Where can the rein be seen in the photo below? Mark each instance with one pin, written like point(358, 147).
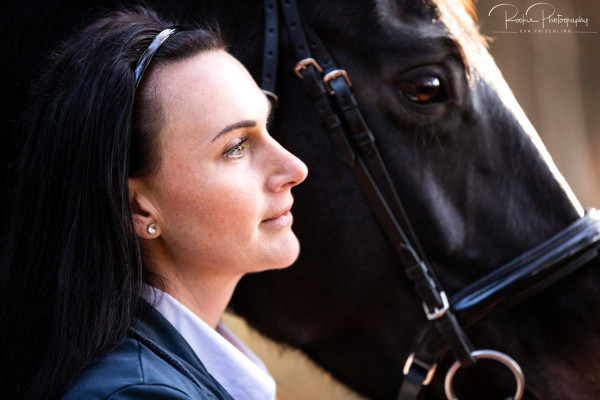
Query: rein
point(329, 88)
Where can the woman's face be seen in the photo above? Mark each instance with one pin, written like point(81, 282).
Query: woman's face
point(222, 193)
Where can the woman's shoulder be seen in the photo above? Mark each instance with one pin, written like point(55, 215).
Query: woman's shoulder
point(135, 371)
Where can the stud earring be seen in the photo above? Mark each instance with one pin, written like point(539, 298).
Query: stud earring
point(151, 228)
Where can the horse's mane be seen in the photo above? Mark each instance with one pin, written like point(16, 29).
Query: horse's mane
point(469, 6)
point(460, 17)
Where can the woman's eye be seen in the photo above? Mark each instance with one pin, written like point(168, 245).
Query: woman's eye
point(237, 151)
point(424, 90)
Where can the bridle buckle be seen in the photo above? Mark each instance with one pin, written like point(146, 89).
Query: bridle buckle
point(273, 98)
point(437, 312)
point(336, 73)
point(303, 64)
point(429, 368)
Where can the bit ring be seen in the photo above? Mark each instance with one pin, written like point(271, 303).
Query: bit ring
point(491, 355)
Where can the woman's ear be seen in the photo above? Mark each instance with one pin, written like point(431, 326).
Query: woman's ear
point(143, 211)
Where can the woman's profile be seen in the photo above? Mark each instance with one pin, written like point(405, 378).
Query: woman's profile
point(148, 186)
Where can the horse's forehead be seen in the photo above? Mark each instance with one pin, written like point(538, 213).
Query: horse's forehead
point(398, 14)
point(452, 18)
point(414, 23)
point(423, 8)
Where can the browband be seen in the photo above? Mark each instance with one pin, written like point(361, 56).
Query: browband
point(146, 57)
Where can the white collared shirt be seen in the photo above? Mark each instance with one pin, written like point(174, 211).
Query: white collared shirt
point(225, 357)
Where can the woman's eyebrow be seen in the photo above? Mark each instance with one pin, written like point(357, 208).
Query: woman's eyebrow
point(237, 125)
point(248, 123)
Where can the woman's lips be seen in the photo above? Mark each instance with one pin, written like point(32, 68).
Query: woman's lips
point(281, 220)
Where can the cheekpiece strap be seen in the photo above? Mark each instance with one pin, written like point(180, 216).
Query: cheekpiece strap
point(146, 57)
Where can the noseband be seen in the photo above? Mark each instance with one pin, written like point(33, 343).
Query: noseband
point(329, 88)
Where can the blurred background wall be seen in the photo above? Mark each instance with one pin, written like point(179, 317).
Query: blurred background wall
point(554, 77)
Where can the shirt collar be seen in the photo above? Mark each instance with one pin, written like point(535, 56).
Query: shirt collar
point(225, 357)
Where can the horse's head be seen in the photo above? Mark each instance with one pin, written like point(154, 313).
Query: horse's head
point(475, 180)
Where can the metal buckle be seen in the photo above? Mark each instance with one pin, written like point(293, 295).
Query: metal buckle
point(272, 96)
point(430, 368)
point(336, 73)
point(302, 64)
point(437, 312)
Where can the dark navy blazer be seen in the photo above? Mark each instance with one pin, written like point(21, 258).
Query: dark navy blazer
point(153, 362)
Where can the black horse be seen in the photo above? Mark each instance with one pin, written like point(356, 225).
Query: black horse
point(471, 172)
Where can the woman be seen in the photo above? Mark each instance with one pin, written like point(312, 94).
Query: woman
point(148, 187)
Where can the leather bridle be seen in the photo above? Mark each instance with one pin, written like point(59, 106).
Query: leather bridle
point(329, 88)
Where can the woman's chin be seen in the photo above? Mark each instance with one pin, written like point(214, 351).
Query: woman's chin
point(284, 255)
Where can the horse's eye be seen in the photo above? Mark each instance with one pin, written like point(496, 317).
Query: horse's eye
point(424, 90)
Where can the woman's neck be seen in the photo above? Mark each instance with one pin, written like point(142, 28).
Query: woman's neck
point(204, 291)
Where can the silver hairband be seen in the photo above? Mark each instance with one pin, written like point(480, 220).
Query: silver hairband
point(146, 57)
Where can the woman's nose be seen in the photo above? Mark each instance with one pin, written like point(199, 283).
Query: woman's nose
point(288, 170)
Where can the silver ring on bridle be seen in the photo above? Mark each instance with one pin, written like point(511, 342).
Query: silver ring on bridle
point(490, 355)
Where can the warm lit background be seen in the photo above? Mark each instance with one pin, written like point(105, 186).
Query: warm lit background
point(555, 79)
